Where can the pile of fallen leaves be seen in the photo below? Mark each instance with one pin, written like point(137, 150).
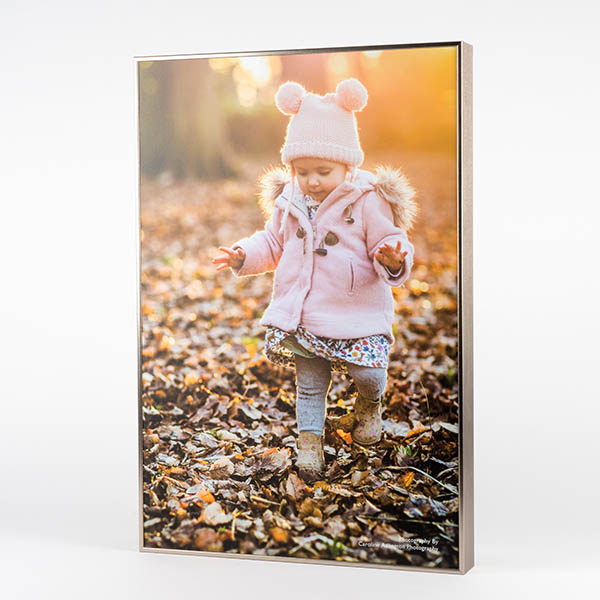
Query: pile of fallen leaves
point(219, 428)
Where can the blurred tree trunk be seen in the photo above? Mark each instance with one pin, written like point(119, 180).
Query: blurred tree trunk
point(200, 144)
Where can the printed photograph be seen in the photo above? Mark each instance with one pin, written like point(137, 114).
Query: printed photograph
point(299, 332)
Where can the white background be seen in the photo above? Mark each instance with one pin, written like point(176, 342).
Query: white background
point(68, 447)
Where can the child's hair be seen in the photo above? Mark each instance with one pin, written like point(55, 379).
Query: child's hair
point(321, 126)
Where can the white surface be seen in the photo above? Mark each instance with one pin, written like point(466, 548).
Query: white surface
point(68, 347)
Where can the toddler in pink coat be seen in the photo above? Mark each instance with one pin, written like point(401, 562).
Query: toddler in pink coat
point(336, 239)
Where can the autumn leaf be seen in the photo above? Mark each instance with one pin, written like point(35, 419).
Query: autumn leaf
point(279, 535)
point(190, 379)
point(346, 436)
point(221, 468)
point(449, 427)
point(417, 431)
point(213, 514)
point(274, 460)
point(166, 343)
point(295, 488)
point(407, 479)
point(198, 493)
point(208, 540)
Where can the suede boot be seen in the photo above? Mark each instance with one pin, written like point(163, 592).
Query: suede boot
point(368, 429)
point(311, 460)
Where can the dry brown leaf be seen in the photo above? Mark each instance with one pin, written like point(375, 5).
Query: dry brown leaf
point(335, 527)
point(295, 488)
point(417, 430)
point(221, 469)
point(345, 435)
point(274, 460)
point(306, 508)
point(208, 540)
point(407, 479)
point(279, 535)
point(314, 522)
point(190, 379)
point(358, 477)
point(213, 514)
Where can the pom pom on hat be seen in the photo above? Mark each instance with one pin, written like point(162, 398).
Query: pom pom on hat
point(351, 94)
point(289, 97)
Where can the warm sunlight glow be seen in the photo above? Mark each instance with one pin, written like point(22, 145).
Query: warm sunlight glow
point(246, 94)
point(258, 68)
point(221, 65)
point(338, 65)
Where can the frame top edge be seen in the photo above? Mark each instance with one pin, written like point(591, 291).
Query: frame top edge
point(141, 58)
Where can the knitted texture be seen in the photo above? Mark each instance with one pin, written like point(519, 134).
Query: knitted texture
point(313, 378)
point(322, 126)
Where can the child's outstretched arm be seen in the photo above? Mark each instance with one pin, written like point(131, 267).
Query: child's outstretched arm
point(387, 245)
point(261, 251)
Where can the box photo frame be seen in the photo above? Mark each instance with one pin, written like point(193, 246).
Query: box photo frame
point(232, 148)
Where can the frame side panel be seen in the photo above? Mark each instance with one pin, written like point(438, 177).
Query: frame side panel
point(138, 241)
point(466, 547)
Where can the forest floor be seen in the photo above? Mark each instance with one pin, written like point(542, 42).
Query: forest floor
point(219, 430)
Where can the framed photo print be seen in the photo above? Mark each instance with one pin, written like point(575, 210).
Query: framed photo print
point(305, 305)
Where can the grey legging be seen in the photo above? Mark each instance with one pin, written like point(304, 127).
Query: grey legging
point(313, 379)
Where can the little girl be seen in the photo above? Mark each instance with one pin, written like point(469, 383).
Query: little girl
point(336, 240)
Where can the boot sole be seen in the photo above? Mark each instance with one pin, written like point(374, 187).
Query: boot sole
point(367, 443)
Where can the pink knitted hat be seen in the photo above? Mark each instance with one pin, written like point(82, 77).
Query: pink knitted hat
point(322, 126)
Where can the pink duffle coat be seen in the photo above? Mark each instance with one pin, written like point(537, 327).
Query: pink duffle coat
point(344, 292)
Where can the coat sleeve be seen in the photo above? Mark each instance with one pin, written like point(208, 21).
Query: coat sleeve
point(263, 248)
point(379, 229)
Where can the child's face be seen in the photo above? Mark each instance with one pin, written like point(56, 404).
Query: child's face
point(317, 177)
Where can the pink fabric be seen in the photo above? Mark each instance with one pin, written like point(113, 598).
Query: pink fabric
point(322, 126)
point(345, 294)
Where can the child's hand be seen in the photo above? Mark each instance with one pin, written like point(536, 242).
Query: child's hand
point(390, 257)
point(232, 258)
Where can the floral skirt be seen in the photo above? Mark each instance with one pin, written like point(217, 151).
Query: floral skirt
point(370, 351)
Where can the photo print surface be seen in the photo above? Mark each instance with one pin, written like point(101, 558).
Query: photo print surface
point(299, 292)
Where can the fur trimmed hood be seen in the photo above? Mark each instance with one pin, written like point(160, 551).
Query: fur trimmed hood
point(389, 183)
